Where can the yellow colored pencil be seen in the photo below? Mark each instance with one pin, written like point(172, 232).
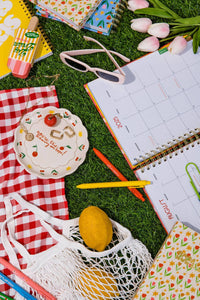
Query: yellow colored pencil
point(96, 185)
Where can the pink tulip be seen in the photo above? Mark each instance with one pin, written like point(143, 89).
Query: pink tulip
point(177, 45)
point(137, 4)
point(160, 30)
point(141, 24)
point(150, 44)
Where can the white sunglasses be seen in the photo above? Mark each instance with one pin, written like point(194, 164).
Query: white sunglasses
point(66, 57)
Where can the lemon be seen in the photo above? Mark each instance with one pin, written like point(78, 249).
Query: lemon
point(97, 284)
point(95, 228)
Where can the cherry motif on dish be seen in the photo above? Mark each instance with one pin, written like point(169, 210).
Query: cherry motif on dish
point(50, 120)
point(35, 154)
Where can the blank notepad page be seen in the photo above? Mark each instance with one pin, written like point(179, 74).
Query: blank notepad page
point(171, 193)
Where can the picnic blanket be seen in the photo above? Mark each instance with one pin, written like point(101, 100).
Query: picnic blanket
point(48, 194)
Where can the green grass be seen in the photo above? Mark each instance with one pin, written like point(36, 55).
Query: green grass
point(119, 203)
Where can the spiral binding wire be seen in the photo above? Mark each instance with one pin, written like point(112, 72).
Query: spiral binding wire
point(118, 14)
point(27, 9)
point(29, 13)
point(172, 148)
point(45, 39)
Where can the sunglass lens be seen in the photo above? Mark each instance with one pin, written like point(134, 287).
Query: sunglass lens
point(107, 76)
point(75, 65)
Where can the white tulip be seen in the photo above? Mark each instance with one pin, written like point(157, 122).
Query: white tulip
point(137, 4)
point(150, 44)
point(141, 24)
point(160, 30)
point(177, 45)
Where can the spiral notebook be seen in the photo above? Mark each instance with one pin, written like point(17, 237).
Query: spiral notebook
point(153, 116)
point(104, 19)
point(13, 15)
point(74, 13)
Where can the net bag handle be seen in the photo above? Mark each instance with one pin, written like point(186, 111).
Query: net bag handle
point(46, 218)
point(42, 216)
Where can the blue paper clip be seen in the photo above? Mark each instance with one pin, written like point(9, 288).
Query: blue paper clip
point(191, 180)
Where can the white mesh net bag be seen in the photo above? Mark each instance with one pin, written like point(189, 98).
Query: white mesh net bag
point(69, 270)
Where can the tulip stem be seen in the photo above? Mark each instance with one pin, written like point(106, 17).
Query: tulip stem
point(176, 25)
point(181, 29)
point(185, 34)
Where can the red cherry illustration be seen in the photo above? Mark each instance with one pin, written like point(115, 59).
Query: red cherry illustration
point(50, 120)
point(35, 153)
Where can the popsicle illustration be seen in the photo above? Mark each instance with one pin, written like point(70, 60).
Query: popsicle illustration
point(23, 50)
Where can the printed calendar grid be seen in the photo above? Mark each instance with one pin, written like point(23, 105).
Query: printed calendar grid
point(157, 104)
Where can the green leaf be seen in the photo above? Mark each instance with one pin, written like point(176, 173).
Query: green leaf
point(196, 40)
point(159, 4)
point(189, 21)
point(101, 23)
point(154, 3)
point(157, 12)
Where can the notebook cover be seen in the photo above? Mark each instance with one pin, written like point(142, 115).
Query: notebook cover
point(44, 13)
point(16, 14)
point(75, 13)
point(104, 17)
point(175, 272)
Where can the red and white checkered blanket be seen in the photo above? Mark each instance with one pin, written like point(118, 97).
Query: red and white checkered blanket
point(49, 194)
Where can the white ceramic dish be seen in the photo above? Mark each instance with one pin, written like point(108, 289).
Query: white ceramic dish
point(55, 151)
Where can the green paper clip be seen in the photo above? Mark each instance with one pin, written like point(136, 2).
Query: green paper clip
point(191, 180)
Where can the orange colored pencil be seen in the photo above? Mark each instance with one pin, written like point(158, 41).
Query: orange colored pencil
point(121, 177)
point(27, 279)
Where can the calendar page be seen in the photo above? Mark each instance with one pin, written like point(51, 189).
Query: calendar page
point(156, 106)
